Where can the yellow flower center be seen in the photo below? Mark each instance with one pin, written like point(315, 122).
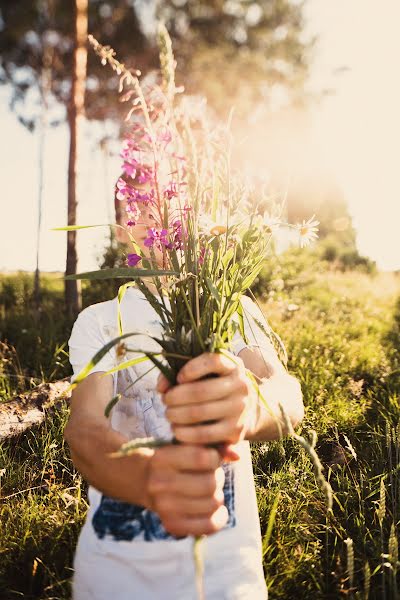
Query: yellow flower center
point(218, 230)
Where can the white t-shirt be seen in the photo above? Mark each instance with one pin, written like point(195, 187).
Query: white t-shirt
point(124, 552)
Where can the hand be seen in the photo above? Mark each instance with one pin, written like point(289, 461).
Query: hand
point(208, 411)
point(185, 487)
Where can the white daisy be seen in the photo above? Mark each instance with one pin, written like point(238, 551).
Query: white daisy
point(307, 231)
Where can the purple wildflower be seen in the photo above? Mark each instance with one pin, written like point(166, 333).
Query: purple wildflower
point(157, 238)
point(133, 259)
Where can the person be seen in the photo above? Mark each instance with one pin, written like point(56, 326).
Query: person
point(137, 540)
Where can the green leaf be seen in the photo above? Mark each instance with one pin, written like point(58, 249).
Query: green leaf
point(155, 301)
point(169, 374)
point(213, 290)
point(239, 312)
point(111, 405)
point(121, 293)
point(76, 227)
point(227, 257)
point(99, 355)
point(129, 447)
point(119, 273)
point(271, 521)
point(130, 363)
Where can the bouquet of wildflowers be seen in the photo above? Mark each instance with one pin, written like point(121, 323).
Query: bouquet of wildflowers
point(210, 235)
point(210, 232)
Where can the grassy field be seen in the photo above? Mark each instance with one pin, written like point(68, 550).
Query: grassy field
point(342, 332)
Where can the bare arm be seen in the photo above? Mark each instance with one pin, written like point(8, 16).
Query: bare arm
point(183, 484)
point(91, 439)
point(227, 409)
point(278, 389)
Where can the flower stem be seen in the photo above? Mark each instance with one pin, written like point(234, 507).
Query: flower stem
point(198, 558)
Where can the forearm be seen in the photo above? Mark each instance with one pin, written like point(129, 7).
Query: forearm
point(280, 392)
point(122, 478)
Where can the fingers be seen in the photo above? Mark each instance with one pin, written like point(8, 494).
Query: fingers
point(190, 506)
point(228, 452)
point(185, 458)
point(226, 430)
point(195, 526)
point(208, 364)
point(185, 487)
point(206, 390)
point(190, 414)
point(162, 384)
point(192, 485)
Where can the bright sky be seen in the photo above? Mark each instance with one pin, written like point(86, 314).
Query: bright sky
point(359, 127)
point(358, 130)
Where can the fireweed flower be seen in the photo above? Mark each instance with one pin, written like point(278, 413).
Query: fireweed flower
point(307, 231)
point(157, 238)
point(204, 300)
point(133, 259)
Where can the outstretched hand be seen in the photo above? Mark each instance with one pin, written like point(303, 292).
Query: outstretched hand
point(204, 409)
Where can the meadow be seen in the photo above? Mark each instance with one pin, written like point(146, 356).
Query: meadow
point(342, 333)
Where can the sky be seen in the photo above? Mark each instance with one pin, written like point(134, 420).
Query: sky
point(357, 130)
point(359, 127)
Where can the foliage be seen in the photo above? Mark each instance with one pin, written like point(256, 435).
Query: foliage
point(264, 38)
point(342, 335)
point(33, 347)
point(209, 237)
point(41, 510)
point(245, 51)
point(31, 27)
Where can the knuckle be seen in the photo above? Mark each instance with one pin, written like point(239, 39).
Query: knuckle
point(219, 480)
point(216, 501)
point(172, 527)
point(215, 458)
point(159, 458)
point(241, 404)
point(211, 526)
point(242, 384)
point(210, 483)
point(194, 412)
point(236, 432)
point(202, 458)
point(219, 497)
point(164, 504)
point(154, 485)
point(167, 398)
point(239, 363)
point(202, 434)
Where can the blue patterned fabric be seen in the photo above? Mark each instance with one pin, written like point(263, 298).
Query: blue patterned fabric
point(122, 521)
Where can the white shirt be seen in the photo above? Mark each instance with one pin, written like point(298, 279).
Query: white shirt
point(124, 552)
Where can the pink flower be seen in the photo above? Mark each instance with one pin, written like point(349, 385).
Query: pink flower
point(177, 234)
point(124, 189)
point(146, 174)
point(203, 254)
point(133, 212)
point(133, 259)
point(157, 238)
point(171, 191)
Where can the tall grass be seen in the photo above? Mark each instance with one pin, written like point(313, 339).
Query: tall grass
point(342, 331)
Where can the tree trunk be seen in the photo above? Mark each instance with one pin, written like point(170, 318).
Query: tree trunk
point(75, 115)
point(45, 20)
point(30, 409)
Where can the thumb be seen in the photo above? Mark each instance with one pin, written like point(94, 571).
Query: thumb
point(228, 452)
point(163, 384)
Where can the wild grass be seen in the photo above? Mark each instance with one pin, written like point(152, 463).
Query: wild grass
point(342, 331)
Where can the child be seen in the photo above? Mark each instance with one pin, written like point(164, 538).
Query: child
point(144, 509)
